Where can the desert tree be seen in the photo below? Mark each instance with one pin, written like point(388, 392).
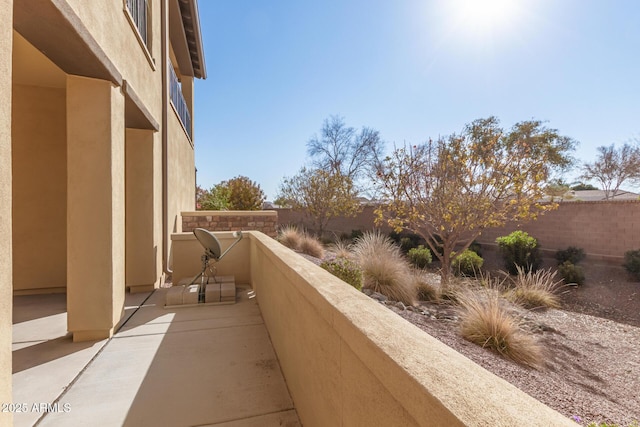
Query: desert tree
point(320, 195)
point(343, 150)
point(581, 186)
point(558, 190)
point(244, 194)
point(613, 167)
point(214, 199)
point(239, 193)
point(448, 191)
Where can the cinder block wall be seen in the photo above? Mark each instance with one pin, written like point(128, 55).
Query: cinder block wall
point(605, 230)
point(264, 221)
point(365, 220)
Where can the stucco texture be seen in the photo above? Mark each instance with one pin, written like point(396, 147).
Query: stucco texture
point(39, 151)
point(95, 207)
point(6, 277)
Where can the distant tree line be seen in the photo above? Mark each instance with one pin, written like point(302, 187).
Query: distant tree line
point(451, 189)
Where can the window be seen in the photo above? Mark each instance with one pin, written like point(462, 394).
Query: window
point(140, 13)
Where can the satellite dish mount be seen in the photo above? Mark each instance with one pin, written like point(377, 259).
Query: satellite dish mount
point(212, 252)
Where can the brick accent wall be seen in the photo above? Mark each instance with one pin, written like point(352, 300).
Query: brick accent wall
point(605, 230)
point(264, 221)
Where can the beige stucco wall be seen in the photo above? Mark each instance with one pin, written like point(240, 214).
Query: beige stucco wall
point(6, 277)
point(186, 257)
point(181, 180)
point(109, 26)
point(95, 207)
point(143, 239)
point(39, 152)
point(348, 360)
point(370, 366)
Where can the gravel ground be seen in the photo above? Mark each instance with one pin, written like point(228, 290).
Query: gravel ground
point(592, 369)
point(592, 346)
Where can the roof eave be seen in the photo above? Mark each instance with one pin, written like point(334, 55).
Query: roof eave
point(191, 22)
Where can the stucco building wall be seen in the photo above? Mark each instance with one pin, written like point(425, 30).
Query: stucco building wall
point(181, 174)
point(117, 38)
point(39, 151)
point(6, 276)
point(102, 165)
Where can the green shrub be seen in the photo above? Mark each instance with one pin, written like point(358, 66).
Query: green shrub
point(518, 249)
point(406, 241)
point(420, 256)
point(571, 273)
point(467, 263)
point(476, 247)
point(572, 254)
point(632, 263)
point(355, 234)
point(346, 270)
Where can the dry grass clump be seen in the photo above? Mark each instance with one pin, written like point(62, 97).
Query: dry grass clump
point(385, 270)
point(534, 289)
point(341, 249)
point(426, 289)
point(290, 236)
point(311, 246)
point(485, 320)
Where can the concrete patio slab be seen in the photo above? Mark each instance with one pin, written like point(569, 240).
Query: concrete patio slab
point(210, 365)
point(45, 358)
point(284, 419)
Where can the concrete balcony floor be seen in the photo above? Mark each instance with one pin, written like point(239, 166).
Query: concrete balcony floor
point(204, 366)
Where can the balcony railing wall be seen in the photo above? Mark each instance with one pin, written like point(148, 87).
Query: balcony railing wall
point(177, 99)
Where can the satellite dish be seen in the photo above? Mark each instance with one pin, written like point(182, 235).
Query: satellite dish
point(209, 242)
point(212, 251)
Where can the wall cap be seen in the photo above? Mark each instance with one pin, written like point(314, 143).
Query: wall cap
point(230, 213)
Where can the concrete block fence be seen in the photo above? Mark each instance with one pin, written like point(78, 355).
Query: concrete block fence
point(605, 230)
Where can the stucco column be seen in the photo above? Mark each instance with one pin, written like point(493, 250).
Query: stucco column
point(95, 207)
point(142, 203)
point(6, 275)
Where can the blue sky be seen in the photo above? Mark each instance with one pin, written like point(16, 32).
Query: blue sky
point(410, 69)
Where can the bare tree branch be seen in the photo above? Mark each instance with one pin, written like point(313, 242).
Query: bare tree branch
point(613, 167)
